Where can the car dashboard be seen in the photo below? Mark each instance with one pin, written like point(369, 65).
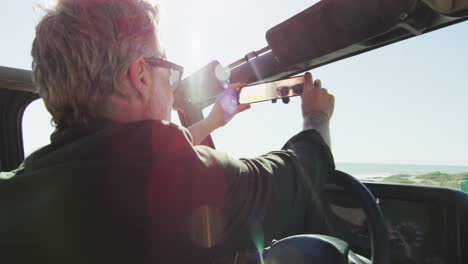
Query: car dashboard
point(424, 224)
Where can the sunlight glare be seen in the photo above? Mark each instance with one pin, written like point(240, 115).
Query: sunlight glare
point(222, 73)
point(195, 45)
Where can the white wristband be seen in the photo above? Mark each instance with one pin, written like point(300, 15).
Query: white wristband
point(320, 122)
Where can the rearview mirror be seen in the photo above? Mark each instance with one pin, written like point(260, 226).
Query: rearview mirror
point(272, 90)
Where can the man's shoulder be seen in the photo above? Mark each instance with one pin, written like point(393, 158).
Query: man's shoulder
point(139, 141)
point(146, 140)
point(152, 126)
point(158, 133)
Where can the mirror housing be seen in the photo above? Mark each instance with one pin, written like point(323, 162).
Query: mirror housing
point(201, 88)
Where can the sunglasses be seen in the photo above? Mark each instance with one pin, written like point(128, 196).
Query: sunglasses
point(284, 91)
point(176, 71)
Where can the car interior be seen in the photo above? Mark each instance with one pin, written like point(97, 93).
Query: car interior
point(367, 222)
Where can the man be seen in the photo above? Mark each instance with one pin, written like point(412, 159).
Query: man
point(118, 184)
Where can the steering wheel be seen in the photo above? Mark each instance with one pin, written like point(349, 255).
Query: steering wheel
point(331, 250)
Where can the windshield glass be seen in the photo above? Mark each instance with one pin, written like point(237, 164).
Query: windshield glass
point(399, 109)
point(399, 113)
point(193, 35)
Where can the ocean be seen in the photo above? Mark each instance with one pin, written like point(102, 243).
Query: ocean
point(374, 171)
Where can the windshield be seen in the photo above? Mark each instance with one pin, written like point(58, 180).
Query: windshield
point(399, 109)
point(399, 116)
point(199, 32)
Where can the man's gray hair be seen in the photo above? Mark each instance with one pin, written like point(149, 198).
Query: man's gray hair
point(82, 52)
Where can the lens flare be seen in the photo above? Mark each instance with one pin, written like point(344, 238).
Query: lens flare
point(206, 227)
point(222, 74)
point(256, 231)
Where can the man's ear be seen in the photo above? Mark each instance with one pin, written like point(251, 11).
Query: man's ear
point(138, 76)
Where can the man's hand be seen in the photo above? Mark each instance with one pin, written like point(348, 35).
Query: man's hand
point(226, 106)
point(316, 98)
point(317, 108)
point(224, 109)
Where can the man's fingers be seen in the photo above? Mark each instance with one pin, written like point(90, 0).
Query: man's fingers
point(237, 86)
point(308, 80)
point(318, 84)
point(331, 98)
point(308, 77)
point(243, 107)
point(308, 83)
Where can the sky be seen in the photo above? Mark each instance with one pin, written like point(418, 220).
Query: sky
point(405, 103)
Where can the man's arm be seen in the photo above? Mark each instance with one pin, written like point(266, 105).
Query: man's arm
point(320, 122)
point(225, 108)
point(317, 108)
point(269, 196)
point(201, 130)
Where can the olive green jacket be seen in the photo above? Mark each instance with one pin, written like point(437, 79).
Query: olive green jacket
point(141, 193)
